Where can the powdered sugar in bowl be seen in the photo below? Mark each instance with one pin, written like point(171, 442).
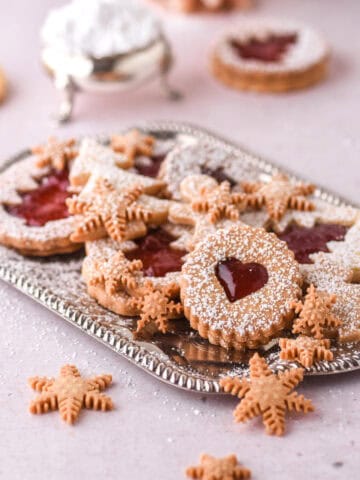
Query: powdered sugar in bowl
point(103, 46)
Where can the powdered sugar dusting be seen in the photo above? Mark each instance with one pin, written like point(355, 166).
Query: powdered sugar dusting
point(262, 311)
point(187, 160)
point(22, 177)
point(338, 272)
point(309, 49)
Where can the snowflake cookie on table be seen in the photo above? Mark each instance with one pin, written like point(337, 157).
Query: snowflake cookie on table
point(113, 271)
point(267, 394)
point(34, 218)
point(69, 393)
point(102, 209)
point(212, 468)
point(337, 273)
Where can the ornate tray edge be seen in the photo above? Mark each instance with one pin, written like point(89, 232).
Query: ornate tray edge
point(162, 369)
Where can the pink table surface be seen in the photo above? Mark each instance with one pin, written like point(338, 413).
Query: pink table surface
point(156, 431)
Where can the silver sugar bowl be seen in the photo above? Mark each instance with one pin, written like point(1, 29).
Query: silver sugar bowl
point(80, 73)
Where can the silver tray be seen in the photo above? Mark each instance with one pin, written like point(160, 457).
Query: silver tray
point(180, 358)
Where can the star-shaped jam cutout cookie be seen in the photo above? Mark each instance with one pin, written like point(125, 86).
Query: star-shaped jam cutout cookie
point(219, 202)
point(115, 273)
point(305, 350)
point(155, 307)
point(267, 394)
point(105, 208)
point(212, 468)
point(69, 393)
point(133, 144)
point(316, 317)
point(55, 153)
point(279, 195)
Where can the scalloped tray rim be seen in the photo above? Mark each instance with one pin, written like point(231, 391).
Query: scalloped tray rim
point(157, 365)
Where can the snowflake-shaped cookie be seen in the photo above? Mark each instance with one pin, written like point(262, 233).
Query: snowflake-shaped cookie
point(132, 144)
point(305, 350)
point(267, 394)
point(338, 272)
point(105, 208)
point(155, 307)
point(212, 468)
point(278, 195)
point(115, 273)
point(69, 393)
point(316, 315)
point(197, 212)
point(219, 202)
point(55, 153)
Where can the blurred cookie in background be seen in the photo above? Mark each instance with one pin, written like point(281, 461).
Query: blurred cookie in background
point(191, 6)
point(270, 55)
point(3, 85)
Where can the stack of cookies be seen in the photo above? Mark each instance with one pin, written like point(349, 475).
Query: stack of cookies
point(183, 229)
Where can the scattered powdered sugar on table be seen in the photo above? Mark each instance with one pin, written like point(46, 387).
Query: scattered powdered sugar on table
point(100, 28)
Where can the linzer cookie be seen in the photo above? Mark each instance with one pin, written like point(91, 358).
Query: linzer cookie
point(34, 217)
point(115, 270)
point(122, 214)
point(3, 86)
point(237, 287)
point(95, 158)
point(269, 55)
point(93, 155)
point(206, 159)
point(337, 272)
point(191, 6)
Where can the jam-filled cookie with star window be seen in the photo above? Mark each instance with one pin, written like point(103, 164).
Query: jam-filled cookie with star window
point(269, 55)
point(34, 217)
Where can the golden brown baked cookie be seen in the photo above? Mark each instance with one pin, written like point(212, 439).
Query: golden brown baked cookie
point(3, 86)
point(192, 6)
point(237, 287)
point(34, 217)
point(337, 272)
point(269, 55)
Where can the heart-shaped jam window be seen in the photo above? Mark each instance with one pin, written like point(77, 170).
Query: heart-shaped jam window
point(240, 279)
point(269, 49)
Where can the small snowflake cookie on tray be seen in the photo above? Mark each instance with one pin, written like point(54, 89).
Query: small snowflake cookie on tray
point(269, 55)
point(34, 217)
point(114, 270)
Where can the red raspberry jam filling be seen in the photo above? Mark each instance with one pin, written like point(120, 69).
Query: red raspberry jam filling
point(149, 167)
point(240, 279)
point(270, 49)
point(218, 174)
point(45, 203)
point(304, 241)
point(155, 252)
